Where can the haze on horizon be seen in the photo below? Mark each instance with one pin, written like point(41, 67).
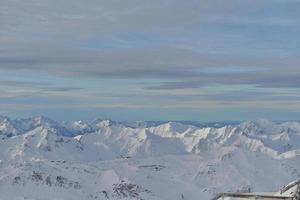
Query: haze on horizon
point(150, 60)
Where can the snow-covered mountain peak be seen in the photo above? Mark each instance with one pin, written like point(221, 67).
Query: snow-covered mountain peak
point(258, 126)
point(50, 124)
point(80, 127)
point(113, 160)
point(176, 127)
point(171, 129)
point(102, 123)
point(4, 118)
point(8, 128)
point(43, 121)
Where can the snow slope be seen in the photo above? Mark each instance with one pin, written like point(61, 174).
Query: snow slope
point(44, 159)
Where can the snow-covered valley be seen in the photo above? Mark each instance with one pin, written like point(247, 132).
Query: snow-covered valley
point(44, 159)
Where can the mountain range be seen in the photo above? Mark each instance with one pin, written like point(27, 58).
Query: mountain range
point(42, 159)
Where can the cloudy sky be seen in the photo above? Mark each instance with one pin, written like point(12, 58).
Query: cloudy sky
point(206, 60)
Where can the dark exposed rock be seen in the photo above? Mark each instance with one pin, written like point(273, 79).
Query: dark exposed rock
point(105, 194)
point(153, 167)
point(130, 190)
point(48, 148)
point(60, 181)
point(37, 176)
point(17, 180)
point(61, 140)
point(48, 181)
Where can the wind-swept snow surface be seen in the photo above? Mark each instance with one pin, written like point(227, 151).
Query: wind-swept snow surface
point(43, 159)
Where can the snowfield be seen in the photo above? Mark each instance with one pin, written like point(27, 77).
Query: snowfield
point(41, 159)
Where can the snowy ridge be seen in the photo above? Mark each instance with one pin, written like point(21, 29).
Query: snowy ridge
point(104, 159)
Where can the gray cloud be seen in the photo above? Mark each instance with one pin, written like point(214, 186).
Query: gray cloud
point(259, 79)
point(173, 40)
point(13, 83)
point(61, 89)
point(168, 63)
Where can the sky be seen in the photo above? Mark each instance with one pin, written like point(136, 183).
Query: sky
point(203, 60)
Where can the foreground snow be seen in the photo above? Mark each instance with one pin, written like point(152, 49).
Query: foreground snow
point(42, 159)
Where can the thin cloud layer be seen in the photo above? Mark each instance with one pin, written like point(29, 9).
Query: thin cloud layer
point(160, 50)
